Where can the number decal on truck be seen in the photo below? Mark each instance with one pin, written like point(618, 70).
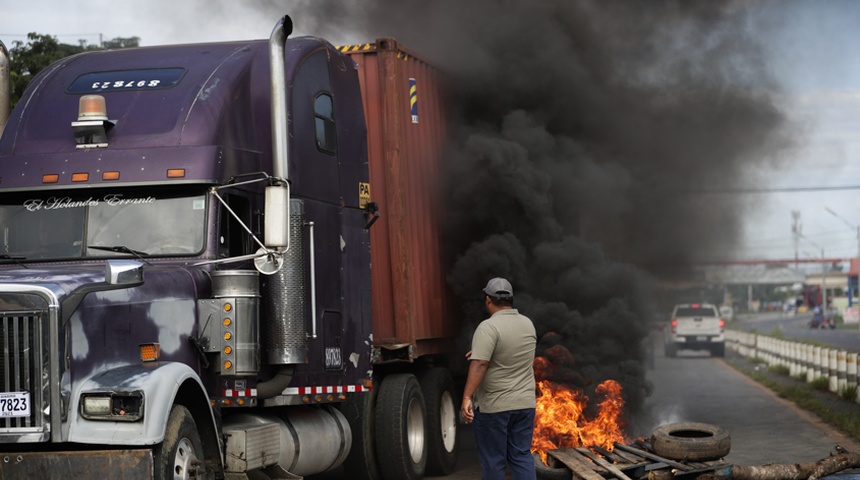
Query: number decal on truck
point(333, 360)
point(15, 404)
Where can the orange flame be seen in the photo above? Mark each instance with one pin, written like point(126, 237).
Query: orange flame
point(560, 422)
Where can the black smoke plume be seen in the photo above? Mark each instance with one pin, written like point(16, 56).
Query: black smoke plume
point(586, 133)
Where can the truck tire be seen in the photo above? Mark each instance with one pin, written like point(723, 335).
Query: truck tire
point(443, 447)
point(690, 441)
point(180, 454)
point(400, 433)
point(718, 350)
point(359, 412)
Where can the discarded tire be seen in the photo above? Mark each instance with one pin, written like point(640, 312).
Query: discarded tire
point(689, 441)
point(550, 473)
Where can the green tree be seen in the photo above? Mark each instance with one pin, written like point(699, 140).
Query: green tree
point(26, 60)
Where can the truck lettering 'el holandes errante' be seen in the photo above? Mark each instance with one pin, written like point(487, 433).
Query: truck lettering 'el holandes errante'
point(186, 290)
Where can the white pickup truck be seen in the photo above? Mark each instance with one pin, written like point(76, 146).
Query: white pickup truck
point(695, 326)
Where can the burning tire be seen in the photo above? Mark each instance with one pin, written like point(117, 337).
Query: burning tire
point(400, 432)
point(361, 461)
point(689, 441)
point(440, 421)
point(550, 473)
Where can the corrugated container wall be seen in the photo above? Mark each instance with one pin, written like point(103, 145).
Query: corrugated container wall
point(403, 99)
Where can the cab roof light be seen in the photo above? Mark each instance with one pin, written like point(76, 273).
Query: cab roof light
point(50, 178)
point(92, 125)
point(110, 176)
point(80, 177)
point(92, 107)
point(176, 173)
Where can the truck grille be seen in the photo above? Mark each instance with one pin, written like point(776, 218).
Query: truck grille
point(29, 362)
point(19, 363)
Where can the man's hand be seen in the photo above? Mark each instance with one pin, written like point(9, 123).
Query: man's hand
point(466, 410)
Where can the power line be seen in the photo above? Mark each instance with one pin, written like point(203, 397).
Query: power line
point(780, 189)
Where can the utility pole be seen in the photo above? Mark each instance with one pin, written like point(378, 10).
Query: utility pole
point(851, 295)
point(796, 228)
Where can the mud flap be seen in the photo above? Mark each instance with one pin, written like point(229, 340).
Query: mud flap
point(125, 464)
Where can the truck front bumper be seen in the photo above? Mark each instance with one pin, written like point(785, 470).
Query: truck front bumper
point(125, 464)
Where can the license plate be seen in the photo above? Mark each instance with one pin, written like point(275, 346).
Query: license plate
point(15, 404)
point(701, 339)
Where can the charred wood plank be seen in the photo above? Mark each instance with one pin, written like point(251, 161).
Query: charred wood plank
point(651, 456)
point(630, 457)
point(603, 463)
point(610, 455)
point(580, 467)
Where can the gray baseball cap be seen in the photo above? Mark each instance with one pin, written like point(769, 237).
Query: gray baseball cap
point(499, 287)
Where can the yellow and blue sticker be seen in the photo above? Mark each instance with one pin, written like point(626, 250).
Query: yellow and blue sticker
point(413, 99)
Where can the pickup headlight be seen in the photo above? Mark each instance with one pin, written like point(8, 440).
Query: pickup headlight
point(112, 406)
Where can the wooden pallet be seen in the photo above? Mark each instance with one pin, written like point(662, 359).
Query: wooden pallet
point(627, 462)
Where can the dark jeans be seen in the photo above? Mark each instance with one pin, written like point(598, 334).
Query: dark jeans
point(505, 437)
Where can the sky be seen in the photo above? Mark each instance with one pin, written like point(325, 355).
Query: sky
point(809, 46)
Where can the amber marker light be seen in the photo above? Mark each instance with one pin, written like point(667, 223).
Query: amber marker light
point(50, 178)
point(228, 335)
point(228, 365)
point(228, 350)
point(228, 307)
point(110, 176)
point(227, 322)
point(176, 173)
point(150, 352)
point(92, 107)
point(80, 177)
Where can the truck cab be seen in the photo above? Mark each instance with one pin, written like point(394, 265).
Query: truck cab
point(184, 248)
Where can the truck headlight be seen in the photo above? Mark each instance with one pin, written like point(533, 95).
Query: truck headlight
point(112, 406)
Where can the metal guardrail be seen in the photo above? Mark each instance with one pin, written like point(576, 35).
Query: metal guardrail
point(803, 360)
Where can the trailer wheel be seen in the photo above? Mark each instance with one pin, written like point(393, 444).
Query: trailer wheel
point(400, 445)
point(361, 461)
point(689, 441)
point(443, 447)
point(180, 454)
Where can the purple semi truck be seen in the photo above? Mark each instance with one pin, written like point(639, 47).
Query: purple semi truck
point(185, 281)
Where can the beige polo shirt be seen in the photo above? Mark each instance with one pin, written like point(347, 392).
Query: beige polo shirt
point(507, 340)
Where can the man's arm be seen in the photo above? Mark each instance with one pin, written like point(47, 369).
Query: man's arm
point(477, 369)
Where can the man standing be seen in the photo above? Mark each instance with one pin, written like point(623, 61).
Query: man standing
point(500, 387)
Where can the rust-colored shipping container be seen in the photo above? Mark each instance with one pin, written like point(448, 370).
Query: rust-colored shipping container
point(403, 98)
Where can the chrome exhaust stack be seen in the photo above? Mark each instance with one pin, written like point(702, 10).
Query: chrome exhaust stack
point(5, 87)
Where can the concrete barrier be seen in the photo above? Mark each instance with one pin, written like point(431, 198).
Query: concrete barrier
point(806, 362)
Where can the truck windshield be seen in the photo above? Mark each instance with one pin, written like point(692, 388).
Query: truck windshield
point(59, 226)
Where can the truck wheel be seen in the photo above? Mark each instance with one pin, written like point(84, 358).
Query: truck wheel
point(361, 461)
point(689, 441)
point(180, 454)
point(718, 350)
point(400, 445)
point(441, 421)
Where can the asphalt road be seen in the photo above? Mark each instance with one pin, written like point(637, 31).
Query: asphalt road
point(845, 337)
point(697, 388)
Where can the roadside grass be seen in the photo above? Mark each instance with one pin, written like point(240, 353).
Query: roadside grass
point(812, 397)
